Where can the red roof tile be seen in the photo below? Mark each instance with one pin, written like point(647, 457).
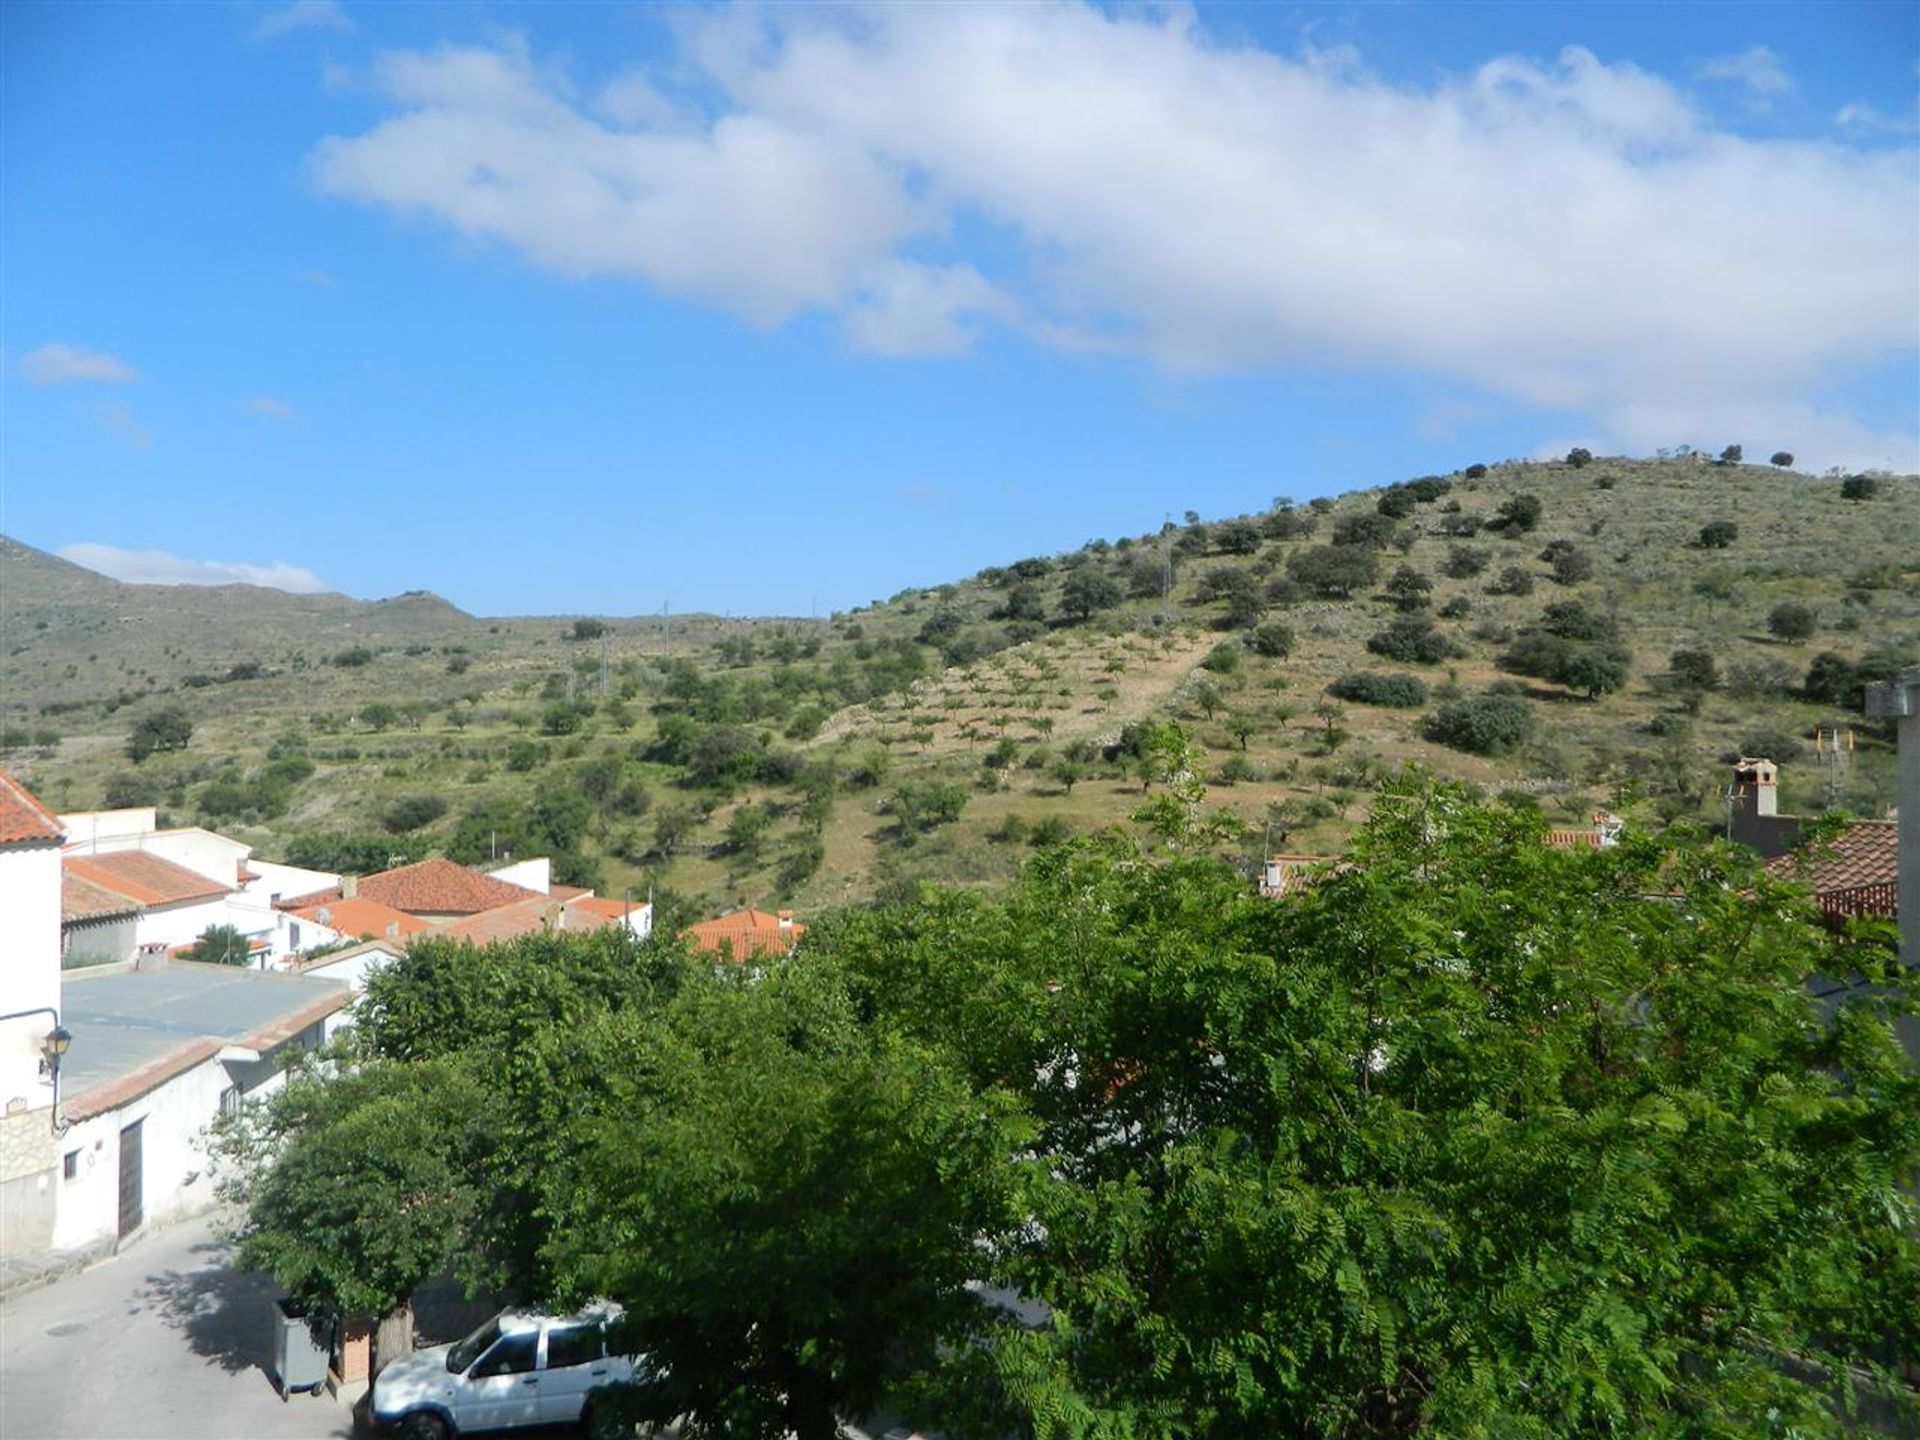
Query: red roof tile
point(145, 878)
point(1865, 853)
point(427, 887)
point(745, 933)
point(81, 899)
point(363, 918)
point(510, 922)
point(608, 906)
point(23, 819)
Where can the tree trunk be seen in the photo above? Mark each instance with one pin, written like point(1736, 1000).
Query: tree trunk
point(394, 1338)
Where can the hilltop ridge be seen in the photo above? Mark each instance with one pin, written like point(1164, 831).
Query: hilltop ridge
point(938, 733)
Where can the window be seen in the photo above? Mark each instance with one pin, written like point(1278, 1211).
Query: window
point(70, 1165)
point(464, 1354)
point(230, 1100)
point(512, 1356)
point(293, 935)
point(573, 1345)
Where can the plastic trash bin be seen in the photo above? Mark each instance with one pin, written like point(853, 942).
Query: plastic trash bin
point(300, 1361)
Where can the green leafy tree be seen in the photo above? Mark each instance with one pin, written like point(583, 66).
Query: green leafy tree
point(1334, 570)
point(165, 729)
point(1413, 639)
point(1718, 535)
point(1517, 515)
point(1273, 639)
point(1694, 669)
point(219, 945)
point(1086, 592)
point(1859, 487)
point(1408, 589)
point(1792, 622)
point(1482, 724)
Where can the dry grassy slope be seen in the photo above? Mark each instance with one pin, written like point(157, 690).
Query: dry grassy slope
point(1797, 539)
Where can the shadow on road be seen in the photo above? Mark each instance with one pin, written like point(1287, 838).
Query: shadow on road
point(226, 1315)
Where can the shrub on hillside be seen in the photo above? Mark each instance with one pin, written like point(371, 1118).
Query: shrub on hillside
point(1397, 503)
point(1717, 535)
point(1289, 524)
point(1859, 487)
point(410, 812)
point(1517, 515)
point(1482, 724)
point(1782, 458)
point(1334, 570)
point(1793, 622)
point(1408, 589)
point(1463, 562)
point(1694, 670)
point(1475, 471)
point(1223, 659)
point(1458, 608)
point(1514, 580)
point(1375, 531)
point(1579, 456)
point(1412, 639)
point(1381, 687)
point(1272, 639)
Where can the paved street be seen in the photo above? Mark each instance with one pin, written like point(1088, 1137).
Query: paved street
point(160, 1342)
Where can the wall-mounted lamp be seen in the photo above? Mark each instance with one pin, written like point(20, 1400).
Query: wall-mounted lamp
point(53, 1049)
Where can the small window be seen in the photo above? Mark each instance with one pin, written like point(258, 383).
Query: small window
point(230, 1100)
point(70, 1165)
point(293, 935)
point(574, 1345)
point(512, 1356)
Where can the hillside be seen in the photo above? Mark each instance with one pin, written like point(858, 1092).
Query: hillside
point(938, 733)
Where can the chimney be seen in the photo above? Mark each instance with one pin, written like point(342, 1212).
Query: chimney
point(1753, 809)
point(349, 887)
point(786, 919)
point(1756, 786)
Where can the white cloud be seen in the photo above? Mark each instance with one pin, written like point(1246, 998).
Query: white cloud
point(1861, 119)
point(1759, 69)
point(58, 363)
point(1571, 234)
point(269, 407)
point(303, 15)
point(118, 418)
point(159, 567)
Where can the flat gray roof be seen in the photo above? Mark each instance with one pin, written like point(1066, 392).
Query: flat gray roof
point(124, 1019)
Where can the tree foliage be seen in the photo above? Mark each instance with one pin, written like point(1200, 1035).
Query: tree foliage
point(1471, 1136)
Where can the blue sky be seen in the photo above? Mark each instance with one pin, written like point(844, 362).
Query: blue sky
point(590, 308)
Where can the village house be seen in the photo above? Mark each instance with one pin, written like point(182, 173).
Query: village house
point(111, 1075)
point(1855, 873)
point(745, 934)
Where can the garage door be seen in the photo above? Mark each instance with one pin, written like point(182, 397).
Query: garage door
point(132, 1196)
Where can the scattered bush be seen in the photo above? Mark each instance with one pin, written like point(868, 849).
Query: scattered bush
point(1694, 670)
point(1579, 456)
point(1412, 639)
point(413, 811)
point(1463, 562)
point(1482, 724)
point(1374, 531)
point(1381, 687)
point(352, 659)
point(1514, 580)
point(1859, 487)
point(1396, 503)
point(1517, 515)
point(1792, 622)
point(1783, 459)
point(1718, 535)
point(1272, 639)
point(1475, 471)
point(1408, 588)
point(1334, 570)
point(1223, 659)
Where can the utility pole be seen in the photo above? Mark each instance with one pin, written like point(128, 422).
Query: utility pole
point(666, 619)
point(1166, 533)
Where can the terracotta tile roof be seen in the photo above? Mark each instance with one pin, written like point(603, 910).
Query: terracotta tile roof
point(510, 922)
point(82, 900)
point(23, 819)
point(745, 933)
point(427, 887)
point(363, 918)
point(144, 878)
point(1865, 853)
point(608, 906)
point(568, 892)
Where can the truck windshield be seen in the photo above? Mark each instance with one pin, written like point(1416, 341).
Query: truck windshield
point(473, 1347)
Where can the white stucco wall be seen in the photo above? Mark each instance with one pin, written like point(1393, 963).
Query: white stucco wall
point(90, 830)
point(175, 1178)
point(184, 924)
point(535, 874)
point(286, 881)
point(353, 966)
point(29, 967)
point(201, 851)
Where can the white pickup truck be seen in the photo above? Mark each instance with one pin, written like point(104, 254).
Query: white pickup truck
point(519, 1370)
